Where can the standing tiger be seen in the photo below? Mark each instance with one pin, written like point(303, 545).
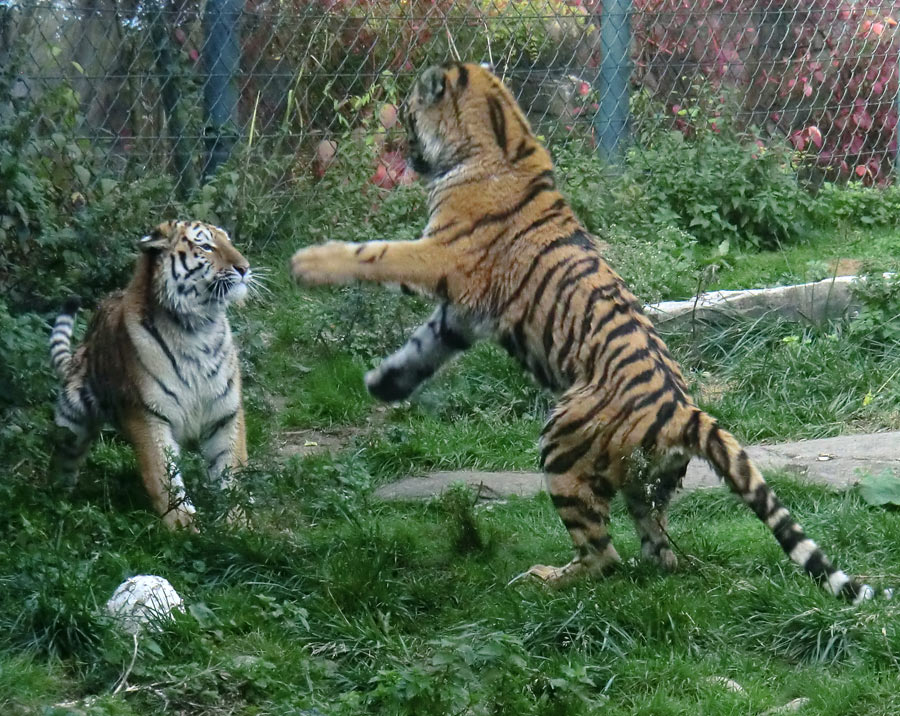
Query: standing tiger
point(507, 258)
point(159, 362)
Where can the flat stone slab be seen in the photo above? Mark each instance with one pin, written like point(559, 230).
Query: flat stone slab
point(837, 462)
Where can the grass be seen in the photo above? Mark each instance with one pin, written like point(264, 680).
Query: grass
point(340, 603)
point(335, 603)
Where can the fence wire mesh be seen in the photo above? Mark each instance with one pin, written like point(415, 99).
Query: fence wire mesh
point(176, 89)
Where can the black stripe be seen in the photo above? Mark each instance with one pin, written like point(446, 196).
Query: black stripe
point(70, 413)
point(564, 501)
point(542, 286)
point(602, 487)
point(600, 544)
point(498, 122)
point(539, 184)
point(550, 319)
point(743, 470)
point(228, 386)
point(523, 151)
point(790, 539)
point(211, 463)
point(155, 413)
point(717, 451)
point(783, 527)
point(818, 566)
point(564, 462)
point(663, 415)
point(645, 376)
point(463, 79)
point(219, 424)
point(439, 228)
point(620, 331)
point(545, 219)
point(162, 386)
point(692, 430)
point(535, 262)
point(148, 326)
point(850, 591)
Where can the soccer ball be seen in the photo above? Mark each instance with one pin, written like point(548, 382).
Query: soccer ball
point(141, 600)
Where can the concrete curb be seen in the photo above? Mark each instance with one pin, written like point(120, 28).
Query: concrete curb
point(830, 461)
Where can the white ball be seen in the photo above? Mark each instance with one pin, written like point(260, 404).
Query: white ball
point(143, 599)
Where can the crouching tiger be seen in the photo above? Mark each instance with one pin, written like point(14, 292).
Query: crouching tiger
point(158, 361)
point(507, 258)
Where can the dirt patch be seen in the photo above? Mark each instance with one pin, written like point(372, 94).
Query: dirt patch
point(313, 441)
point(844, 267)
point(302, 443)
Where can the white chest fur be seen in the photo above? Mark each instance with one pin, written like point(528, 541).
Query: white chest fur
point(191, 375)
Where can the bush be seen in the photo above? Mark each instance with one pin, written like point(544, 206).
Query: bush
point(858, 205)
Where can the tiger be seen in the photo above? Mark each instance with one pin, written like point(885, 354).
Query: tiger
point(506, 258)
point(158, 362)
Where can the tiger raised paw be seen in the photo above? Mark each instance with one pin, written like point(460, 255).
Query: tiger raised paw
point(507, 258)
point(158, 361)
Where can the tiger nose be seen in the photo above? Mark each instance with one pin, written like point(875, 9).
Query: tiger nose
point(242, 270)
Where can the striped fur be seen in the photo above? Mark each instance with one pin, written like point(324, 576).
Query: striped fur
point(506, 256)
point(158, 361)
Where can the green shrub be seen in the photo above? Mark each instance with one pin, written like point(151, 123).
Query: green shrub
point(858, 205)
point(878, 324)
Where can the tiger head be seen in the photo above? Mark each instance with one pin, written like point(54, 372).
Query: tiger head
point(459, 113)
point(196, 270)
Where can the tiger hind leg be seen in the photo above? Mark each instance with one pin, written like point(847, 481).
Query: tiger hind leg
point(71, 448)
point(581, 485)
point(583, 507)
point(73, 441)
point(647, 494)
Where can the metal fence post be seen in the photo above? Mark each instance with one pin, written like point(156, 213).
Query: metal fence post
point(221, 57)
point(611, 120)
point(185, 181)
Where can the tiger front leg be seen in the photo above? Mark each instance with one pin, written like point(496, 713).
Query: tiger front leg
point(157, 452)
point(421, 264)
point(224, 449)
point(446, 333)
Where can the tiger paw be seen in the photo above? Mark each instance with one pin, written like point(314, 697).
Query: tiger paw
point(237, 517)
point(180, 518)
point(321, 264)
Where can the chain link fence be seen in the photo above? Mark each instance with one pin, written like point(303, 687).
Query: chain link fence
point(175, 89)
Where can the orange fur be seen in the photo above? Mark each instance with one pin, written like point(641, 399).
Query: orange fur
point(159, 363)
point(505, 253)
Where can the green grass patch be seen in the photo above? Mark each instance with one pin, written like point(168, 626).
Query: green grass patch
point(339, 603)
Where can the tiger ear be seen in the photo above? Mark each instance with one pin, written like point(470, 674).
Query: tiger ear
point(157, 239)
point(433, 83)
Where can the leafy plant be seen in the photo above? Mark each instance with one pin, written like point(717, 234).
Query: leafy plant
point(881, 488)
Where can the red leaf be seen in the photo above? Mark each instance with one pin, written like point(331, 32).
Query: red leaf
point(815, 135)
point(861, 170)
